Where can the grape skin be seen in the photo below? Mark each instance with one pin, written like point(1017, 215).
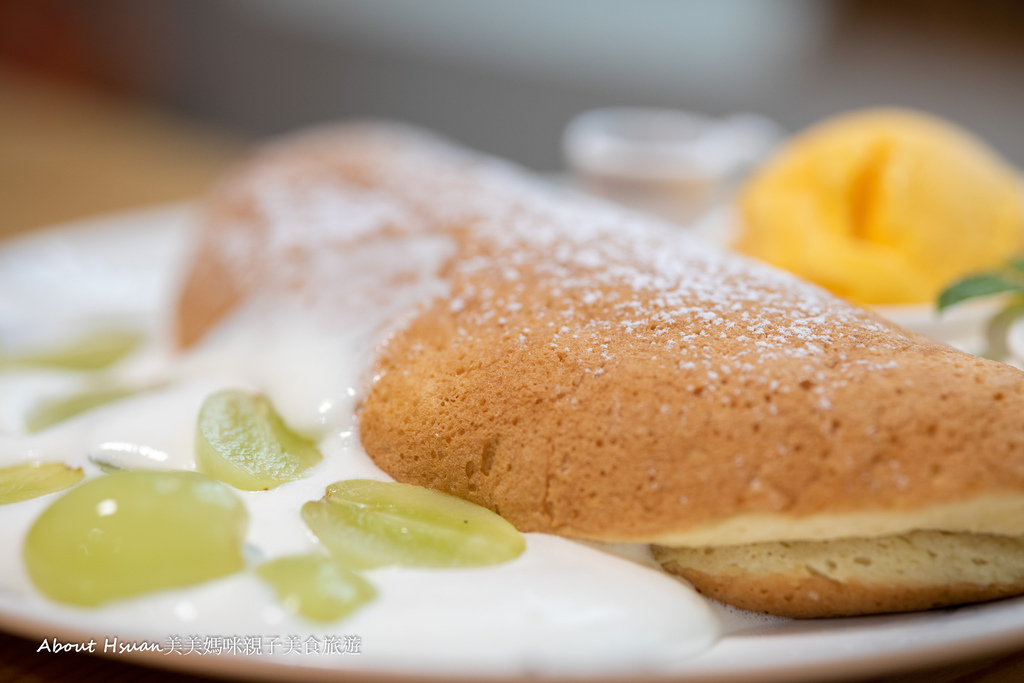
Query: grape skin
point(31, 480)
point(365, 524)
point(54, 411)
point(316, 587)
point(129, 533)
point(242, 441)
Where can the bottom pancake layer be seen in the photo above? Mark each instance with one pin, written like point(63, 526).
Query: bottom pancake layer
point(851, 576)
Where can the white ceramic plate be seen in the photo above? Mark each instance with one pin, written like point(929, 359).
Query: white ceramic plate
point(143, 251)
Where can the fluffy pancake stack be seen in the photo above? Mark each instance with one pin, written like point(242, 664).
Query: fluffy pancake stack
point(592, 373)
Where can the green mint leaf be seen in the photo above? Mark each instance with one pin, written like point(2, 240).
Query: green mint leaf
point(985, 284)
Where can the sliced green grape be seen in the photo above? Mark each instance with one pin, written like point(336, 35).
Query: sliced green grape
point(129, 533)
point(316, 587)
point(95, 352)
point(53, 411)
point(367, 523)
point(34, 479)
point(242, 441)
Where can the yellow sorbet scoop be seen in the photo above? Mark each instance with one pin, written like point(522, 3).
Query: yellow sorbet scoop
point(884, 207)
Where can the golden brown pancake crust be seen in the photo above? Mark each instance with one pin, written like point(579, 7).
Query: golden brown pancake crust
point(645, 448)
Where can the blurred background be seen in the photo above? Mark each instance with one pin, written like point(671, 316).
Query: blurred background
point(115, 103)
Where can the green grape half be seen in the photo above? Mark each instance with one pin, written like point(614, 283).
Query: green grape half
point(56, 410)
point(34, 479)
point(316, 587)
point(365, 523)
point(130, 533)
point(241, 440)
point(95, 352)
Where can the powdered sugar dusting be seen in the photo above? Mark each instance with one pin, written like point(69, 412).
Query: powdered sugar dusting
point(554, 270)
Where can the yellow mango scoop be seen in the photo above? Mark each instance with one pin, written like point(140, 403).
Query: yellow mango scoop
point(883, 207)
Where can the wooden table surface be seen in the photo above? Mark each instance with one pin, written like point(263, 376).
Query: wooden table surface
point(67, 154)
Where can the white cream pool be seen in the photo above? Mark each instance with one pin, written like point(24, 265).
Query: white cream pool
point(562, 607)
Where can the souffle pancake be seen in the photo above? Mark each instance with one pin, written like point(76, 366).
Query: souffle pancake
point(593, 373)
